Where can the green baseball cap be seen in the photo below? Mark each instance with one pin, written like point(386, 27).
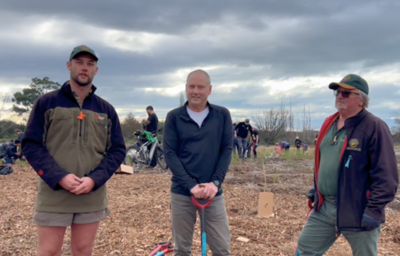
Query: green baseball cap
point(351, 82)
point(81, 49)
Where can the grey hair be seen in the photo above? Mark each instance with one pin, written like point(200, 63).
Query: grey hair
point(199, 71)
point(364, 97)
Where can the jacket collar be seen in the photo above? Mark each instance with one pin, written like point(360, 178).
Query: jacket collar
point(355, 120)
point(184, 114)
point(66, 89)
point(350, 122)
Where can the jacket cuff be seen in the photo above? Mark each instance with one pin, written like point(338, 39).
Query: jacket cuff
point(97, 182)
point(191, 185)
point(54, 181)
point(372, 214)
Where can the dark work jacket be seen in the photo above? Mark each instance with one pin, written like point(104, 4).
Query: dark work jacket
point(368, 177)
point(11, 151)
point(63, 137)
point(197, 155)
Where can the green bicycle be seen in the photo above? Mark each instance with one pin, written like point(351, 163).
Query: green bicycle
point(141, 154)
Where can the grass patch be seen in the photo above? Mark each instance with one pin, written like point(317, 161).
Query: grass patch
point(21, 163)
point(235, 159)
point(275, 179)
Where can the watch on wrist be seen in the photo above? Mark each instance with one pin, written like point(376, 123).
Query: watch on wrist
point(217, 183)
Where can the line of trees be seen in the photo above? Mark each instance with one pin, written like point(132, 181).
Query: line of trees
point(279, 124)
point(273, 124)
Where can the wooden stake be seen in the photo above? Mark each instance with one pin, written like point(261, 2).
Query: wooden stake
point(265, 177)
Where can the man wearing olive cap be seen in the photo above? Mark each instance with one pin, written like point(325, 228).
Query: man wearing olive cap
point(73, 141)
point(355, 175)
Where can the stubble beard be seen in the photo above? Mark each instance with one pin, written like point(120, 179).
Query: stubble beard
point(82, 84)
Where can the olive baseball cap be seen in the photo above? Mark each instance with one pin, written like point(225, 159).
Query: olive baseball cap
point(82, 49)
point(351, 82)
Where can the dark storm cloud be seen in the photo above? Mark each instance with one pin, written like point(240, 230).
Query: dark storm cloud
point(249, 41)
point(318, 38)
point(175, 16)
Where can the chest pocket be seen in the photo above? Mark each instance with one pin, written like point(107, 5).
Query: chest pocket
point(356, 155)
point(59, 125)
point(354, 145)
point(98, 130)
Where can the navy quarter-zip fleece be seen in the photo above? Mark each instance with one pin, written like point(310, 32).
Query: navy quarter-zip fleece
point(197, 155)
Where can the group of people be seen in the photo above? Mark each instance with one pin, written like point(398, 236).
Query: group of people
point(244, 144)
point(80, 149)
point(10, 151)
point(284, 145)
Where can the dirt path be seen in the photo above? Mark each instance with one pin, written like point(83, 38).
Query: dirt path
point(140, 213)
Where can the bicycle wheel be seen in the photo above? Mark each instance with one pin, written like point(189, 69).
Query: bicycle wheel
point(135, 158)
point(160, 158)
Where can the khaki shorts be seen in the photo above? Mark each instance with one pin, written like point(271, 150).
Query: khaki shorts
point(53, 219)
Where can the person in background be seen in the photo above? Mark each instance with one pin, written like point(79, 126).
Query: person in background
point(11, 154)
point(20, 137)
point(256, 139)
point(20, 134)
point(277, 150)
point(315, 139)
point(152, 120)
point(305, 148)
point(355, 175)
point(297, 143)
point(285, 145)
point(241, 132)
point(235, 140)
point(151, 126)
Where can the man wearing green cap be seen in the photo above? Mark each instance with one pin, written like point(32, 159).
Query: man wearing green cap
point(355, 175)
point(73, 140)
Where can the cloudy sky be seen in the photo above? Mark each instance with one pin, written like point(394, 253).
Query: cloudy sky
point(258, 52)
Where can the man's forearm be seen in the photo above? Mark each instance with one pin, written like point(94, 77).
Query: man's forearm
point(114, 156)
point(179, 172)
point(171, 145)
point(43, 163)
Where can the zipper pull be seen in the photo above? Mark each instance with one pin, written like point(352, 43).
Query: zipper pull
point(348, 161)
point(81, 116)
